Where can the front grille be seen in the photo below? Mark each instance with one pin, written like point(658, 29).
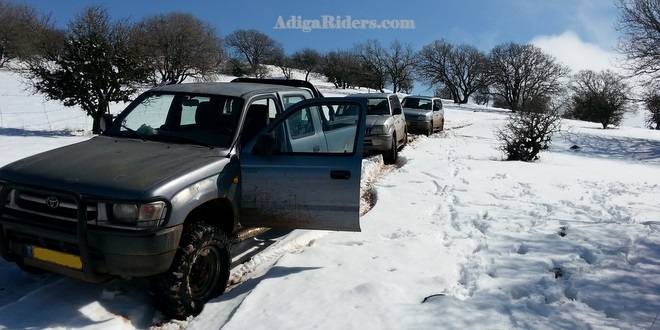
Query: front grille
point(49, 205)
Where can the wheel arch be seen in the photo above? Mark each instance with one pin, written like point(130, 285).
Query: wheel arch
point(217, 212)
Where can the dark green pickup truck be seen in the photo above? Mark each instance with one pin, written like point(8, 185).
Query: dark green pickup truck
point(180, 175)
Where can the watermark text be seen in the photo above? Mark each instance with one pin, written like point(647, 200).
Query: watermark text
point(329, 22)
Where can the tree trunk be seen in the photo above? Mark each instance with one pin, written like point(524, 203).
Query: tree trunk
point(103, 107)
point(96, 126)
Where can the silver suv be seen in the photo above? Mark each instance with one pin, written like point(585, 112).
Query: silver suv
point(184, 172)
point(386, 130)
point(424, 114)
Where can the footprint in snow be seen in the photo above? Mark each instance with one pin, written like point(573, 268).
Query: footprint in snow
point(562, 231)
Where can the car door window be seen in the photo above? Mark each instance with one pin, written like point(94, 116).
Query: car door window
point(396, 105)
point(301, 124)
point(312, 130)
point(289, 100)
point(271, 104)
point(437, 105)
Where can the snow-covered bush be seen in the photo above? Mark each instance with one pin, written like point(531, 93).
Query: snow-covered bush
point(527, 133)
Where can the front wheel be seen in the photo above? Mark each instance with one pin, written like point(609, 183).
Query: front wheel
point(389, 156)
point(199, 272)
point(405, 137)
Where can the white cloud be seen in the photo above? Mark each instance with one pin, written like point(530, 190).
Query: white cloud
point(570, 50)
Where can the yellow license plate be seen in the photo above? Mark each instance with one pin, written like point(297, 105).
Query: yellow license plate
point(56, 257)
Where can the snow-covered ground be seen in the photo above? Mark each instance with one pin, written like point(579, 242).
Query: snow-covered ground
point(457, 238)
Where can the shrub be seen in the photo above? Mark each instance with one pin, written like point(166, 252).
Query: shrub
point(527, 133)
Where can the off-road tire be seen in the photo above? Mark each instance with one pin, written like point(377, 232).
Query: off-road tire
point(389, 156)
point(199, 272)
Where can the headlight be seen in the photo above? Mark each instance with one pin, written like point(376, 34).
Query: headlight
point(424, 118)
point(380, 129)
point(139, 215)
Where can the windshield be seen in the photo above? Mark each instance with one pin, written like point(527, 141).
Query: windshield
point(378, 107)
point(413, 103)
point(208, 120)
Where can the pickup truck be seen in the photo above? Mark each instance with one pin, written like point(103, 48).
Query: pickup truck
point(180, 175)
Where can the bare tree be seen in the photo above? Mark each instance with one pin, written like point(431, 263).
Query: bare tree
point(599, 97)
point(340, 68)
point(653, 104)
point(399, 62)
point(383, 66)
point(179, 46)
point(482, 96)
point(461, 70)
point(21, 27)
point(307, 59)
point(371, 55)
point(468, 69)
point(255, 47)
point(639, 25)
point(96, 66)
point(285, 63)
point(519, 73)
point(432, 67)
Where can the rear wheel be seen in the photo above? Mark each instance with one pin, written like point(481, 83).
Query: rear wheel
point(199, 272)
point(389, 156)
point(442, 125)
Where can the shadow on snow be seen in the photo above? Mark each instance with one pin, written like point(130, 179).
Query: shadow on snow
point(613, 147)
point(43, 133)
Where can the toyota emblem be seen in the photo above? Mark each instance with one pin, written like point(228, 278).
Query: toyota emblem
point(52, 202)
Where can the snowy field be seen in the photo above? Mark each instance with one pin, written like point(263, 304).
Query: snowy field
point(456, 239)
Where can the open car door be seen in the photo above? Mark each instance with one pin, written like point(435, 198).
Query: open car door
point(303, 170)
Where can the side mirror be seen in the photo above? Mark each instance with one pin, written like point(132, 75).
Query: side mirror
point(266, 145)
point(398, 111)
point(106, 121)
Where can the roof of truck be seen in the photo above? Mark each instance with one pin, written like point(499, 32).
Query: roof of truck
point(373, 95)
point(232, 89)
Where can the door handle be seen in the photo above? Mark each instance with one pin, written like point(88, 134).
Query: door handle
point(340, 175)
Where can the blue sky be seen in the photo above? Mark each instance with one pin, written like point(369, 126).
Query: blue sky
point(579, 33)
